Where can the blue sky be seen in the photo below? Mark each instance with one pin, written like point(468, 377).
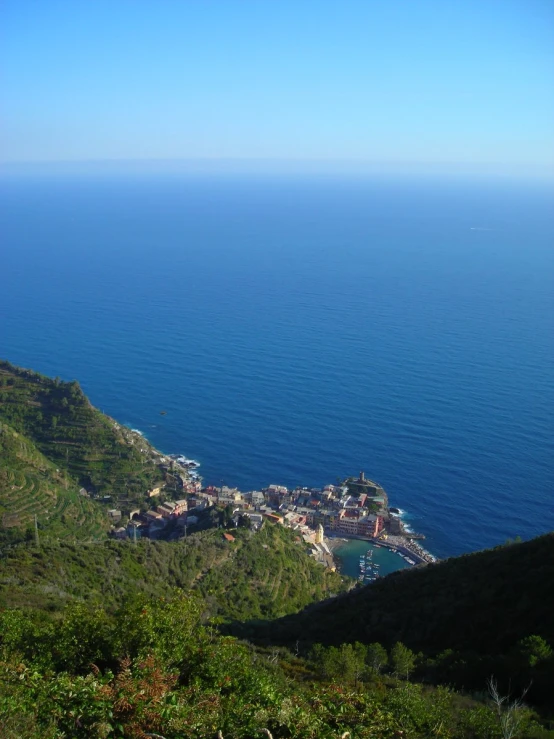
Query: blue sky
point(442, 82)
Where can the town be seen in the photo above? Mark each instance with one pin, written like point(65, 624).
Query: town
point(355, 508)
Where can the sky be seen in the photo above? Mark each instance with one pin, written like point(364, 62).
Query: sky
point(452, 83)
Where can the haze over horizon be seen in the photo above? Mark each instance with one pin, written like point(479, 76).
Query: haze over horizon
point(457, 86)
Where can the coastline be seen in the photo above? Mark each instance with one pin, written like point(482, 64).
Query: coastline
point(401, 542)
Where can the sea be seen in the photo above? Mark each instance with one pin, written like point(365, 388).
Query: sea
point(297, 328)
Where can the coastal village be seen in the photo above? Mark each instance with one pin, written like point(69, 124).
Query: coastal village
point(357, 508)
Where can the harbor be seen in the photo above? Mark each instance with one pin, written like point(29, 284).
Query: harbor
point(364, 561)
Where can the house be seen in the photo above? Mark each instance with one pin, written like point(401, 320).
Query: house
point(370, 525)
point(114, 515)
point(181, 506)
point(281, 489)
point(167, 510)
point(256, 498)
point(155, 491)
point(307, 513)
point(196, 503)
point(228, 537)
point(152, 516)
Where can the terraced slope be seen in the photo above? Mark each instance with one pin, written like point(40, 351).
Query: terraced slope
point(31, 485)
point(92, 449)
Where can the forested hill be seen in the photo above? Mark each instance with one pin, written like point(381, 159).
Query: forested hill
point(52, 443)
point(258, 575)
point(483, 602)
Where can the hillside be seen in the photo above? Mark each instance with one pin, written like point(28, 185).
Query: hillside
point(266, 574)
point(483, 614)
point(94, 450)
point(484, 602)
point(58, 453)
point(105, 638)
point(31, 485)
point(154, 669)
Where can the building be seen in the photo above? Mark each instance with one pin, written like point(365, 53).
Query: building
point(152, 516)
point(181, 506)
point(319, 534)
point(256, 498)
point(166, 510)
point(256, 519)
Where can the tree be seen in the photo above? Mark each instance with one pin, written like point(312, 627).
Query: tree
point(377, 657)
point(359, 656)
point(534, 649)
point(402, 659)
point(511, 714)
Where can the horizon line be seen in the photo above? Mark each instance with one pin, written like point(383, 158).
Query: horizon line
point(343, 165)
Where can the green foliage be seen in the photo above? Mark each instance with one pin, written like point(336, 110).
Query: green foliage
point(482, 602)
point(263, 573)
point(31, 485)
point(155, 666)
point(420, 713)
point(534, 649)
point(168, 673)
point(377, 657)
point(466, 615)
point(89, 449)
point(402, 660)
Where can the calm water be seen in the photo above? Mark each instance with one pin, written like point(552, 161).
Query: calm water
point(349, 553)
point(298, 330)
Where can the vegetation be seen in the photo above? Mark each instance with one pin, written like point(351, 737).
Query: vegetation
point(89, 447)
point(104, 638)
point(55, 450)
point(154, 667)
point(470, 617)
point(265, 574)
point(31, 485)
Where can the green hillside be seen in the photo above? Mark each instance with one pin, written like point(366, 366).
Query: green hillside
point(105, 638)
point(94, 451)
point(31, 485)
point(264, 574)
point(484, 602)
point(483, 614)
point(154, 669)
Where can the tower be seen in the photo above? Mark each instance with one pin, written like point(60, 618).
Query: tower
point(319, 534)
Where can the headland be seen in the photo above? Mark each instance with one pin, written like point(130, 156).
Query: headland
point(356, 508)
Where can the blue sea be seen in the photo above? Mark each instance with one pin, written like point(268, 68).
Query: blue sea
point(299, 328)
